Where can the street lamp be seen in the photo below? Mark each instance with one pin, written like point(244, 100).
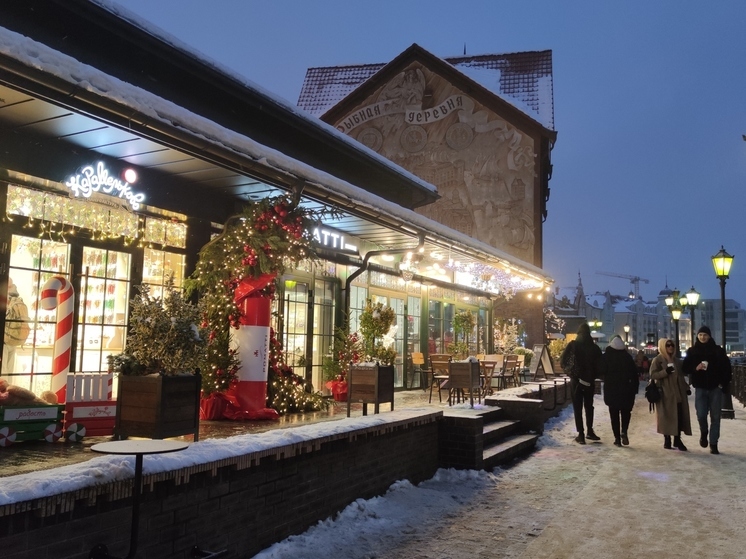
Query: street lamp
point(673, 302)
point(722, 262)
point(692, 298)
point(626, 334)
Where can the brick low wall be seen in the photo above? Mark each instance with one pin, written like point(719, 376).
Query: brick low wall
point(244, 503)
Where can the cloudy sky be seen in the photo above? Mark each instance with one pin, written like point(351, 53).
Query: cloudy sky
point(650, 108)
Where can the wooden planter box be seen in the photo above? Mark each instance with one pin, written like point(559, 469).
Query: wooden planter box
point(370, 385)
point(158, 407)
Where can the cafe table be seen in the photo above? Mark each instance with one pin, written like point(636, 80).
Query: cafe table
point(138, 449)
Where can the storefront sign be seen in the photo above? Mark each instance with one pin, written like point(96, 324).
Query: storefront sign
point(333, 240)
point(91, 180)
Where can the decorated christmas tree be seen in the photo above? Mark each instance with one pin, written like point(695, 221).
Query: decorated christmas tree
point(268, 236)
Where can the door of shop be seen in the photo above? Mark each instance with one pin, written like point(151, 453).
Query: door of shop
point(307, 326)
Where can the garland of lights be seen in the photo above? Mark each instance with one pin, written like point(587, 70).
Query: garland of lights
point(494, 280)
point(267, 237)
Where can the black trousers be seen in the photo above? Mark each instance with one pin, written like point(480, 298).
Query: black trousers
point(616, 414)
point(582, 397)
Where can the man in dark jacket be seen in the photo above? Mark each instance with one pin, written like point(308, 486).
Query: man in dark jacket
point(708, 368)
point(581, 360)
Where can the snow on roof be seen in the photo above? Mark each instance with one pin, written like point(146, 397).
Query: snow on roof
point(524, 79)
point(168, 39)
point(596, 300)
point(88, 78)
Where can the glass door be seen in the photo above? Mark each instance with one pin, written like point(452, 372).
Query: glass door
point(323, 327)
point(103, 307)
point(296, 312)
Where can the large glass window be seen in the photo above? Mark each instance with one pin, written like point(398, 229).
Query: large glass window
point(158, 265)
point(103, 306)
point(32, 262)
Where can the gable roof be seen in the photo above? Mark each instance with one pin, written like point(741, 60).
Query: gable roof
point(523, 79)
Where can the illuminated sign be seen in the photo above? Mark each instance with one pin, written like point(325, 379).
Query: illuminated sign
point(90, 180)
point(334, 240)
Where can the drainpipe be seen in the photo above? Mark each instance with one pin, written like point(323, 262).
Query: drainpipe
point(364, 267)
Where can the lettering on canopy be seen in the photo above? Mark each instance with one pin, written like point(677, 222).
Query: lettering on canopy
point(90, 180)
point(333, 240)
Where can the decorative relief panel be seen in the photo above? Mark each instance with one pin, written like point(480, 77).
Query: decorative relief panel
point(483, 167)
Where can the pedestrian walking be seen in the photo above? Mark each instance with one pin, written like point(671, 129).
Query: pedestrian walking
point(672, 411)
point(620, 387)
point(709, 373)
point(581, 360)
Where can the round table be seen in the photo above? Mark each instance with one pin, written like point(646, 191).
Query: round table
point(138, 449)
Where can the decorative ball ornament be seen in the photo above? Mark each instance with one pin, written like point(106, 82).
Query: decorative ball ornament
point(75, 432)
point(7, 436)
point(53, 433)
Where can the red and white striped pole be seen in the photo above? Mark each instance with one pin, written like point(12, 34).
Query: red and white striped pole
point(253, 347)
point(58, 293)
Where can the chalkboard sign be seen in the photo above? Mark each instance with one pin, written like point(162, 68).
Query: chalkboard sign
point(541, 364)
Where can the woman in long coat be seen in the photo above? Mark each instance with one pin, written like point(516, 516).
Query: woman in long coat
point(620, 387)
point(672, 412)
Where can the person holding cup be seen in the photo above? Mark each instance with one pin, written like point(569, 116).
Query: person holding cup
point(672, 412)
point(709, 373)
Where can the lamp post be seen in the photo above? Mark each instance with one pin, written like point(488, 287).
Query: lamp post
point(692, 298)
point(626, 334)
point(722, 262)
point(673, 302)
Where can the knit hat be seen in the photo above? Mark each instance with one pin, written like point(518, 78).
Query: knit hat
point(704, 329)
point(617, 343)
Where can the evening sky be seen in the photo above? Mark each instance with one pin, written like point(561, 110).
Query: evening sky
point(649, 96)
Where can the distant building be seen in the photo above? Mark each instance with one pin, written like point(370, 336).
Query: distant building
point(735, 322)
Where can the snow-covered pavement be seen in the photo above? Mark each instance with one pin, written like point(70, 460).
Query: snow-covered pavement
point(564, 501)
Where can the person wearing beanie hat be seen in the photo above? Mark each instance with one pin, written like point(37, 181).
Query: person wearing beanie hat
point(581, 360)
point(709, 373)
point(620, 387)
point(672, 412)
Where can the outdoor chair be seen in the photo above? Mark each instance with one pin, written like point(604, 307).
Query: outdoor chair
point(417, 360)
point(507, 372)
point(439, 371)
point(464, 376)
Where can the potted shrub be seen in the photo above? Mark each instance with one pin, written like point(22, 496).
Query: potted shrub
point(158, 377)
point(463, 325)
point(376, 323)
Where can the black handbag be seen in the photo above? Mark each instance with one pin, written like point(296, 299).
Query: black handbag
point(653, 394)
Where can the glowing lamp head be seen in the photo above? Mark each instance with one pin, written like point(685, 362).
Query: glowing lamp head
point(130, 175)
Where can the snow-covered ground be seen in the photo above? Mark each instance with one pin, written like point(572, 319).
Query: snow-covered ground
point(565, 500)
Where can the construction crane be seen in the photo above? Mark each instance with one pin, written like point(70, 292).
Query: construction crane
point(634, 280)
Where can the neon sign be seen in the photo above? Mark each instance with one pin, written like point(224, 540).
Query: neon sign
point(330, 239)
point(90, 180)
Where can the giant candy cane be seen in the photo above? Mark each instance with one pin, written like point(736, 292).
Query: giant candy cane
point(58, 293)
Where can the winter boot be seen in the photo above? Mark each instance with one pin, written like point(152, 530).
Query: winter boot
point(617, 442)
point(666, 441)
point(591, 436)
point(580, 439)
point(703, 439)
point(714, 449)
point(678, 444)
point(625, 440)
